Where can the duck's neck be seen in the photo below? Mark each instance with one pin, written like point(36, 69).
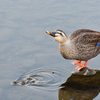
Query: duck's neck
point(64, 41)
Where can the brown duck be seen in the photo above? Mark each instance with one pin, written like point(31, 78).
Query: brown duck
point(81, 45)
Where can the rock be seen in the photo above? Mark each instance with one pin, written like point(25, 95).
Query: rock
point(86, 71)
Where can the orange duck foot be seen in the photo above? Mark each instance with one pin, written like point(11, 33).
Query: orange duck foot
point(79, 63)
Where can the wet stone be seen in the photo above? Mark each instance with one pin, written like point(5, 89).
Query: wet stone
point(29, 78)
point(23, 83)
point(85, 71)
point(32, 81)
point(14, 83)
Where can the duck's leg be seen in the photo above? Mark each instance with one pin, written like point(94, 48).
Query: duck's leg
point(82, 66)
point(79, 62)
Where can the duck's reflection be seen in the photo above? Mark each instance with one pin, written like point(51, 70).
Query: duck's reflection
point(80, 87)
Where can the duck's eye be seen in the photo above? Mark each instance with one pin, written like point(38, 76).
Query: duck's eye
point(61, 34)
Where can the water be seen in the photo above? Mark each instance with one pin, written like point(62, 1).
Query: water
point(43, 78)
point(25, 46)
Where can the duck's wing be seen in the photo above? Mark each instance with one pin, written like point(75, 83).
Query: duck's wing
point(85, 36)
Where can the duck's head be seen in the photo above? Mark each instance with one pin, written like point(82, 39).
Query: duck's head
point(58, 35)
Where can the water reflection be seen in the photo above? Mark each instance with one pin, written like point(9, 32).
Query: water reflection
point(80, 87)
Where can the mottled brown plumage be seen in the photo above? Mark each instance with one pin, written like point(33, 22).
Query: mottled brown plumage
point(80, 45)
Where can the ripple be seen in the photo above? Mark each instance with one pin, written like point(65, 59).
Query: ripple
point(45, 78)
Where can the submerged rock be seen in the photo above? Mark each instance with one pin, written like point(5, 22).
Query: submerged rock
point(86, 71)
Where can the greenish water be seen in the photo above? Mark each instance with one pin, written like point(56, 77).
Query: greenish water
point(25, 46)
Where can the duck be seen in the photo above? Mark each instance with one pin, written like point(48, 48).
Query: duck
point(81, 45)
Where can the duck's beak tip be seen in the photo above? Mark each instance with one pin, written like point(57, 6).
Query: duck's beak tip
point(48, 32)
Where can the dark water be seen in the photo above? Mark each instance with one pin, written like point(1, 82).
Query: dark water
point(25, 46)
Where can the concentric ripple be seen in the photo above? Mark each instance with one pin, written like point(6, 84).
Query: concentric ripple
point(46, 78)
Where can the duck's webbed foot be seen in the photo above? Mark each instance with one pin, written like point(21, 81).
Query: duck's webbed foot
point(79, 63)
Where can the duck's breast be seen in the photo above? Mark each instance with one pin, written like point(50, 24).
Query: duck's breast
point(67, 50)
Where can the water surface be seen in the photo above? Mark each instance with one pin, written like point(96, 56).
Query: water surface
point(25, 46)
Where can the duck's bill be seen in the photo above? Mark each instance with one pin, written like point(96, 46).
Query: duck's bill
point(51, 33)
